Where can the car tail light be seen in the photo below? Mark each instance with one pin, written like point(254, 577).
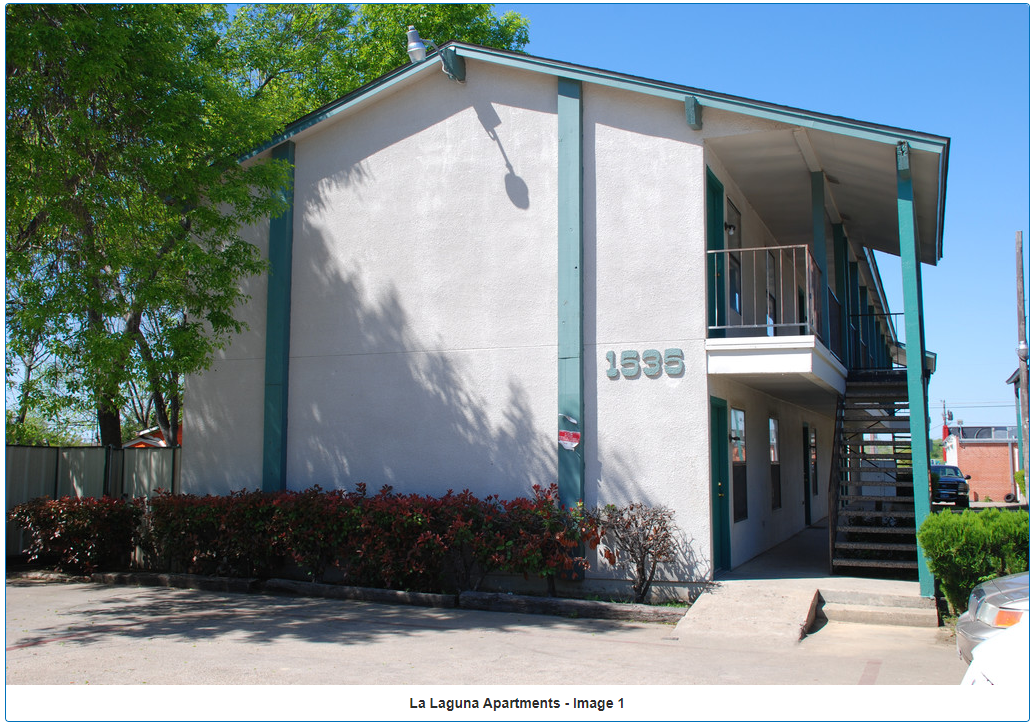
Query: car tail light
point(1000, 618)
point(1006, 617)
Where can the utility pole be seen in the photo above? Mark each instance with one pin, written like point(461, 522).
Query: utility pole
point(1022, 355)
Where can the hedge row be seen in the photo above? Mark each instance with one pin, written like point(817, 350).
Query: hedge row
point(387, 540)
point(967, 547)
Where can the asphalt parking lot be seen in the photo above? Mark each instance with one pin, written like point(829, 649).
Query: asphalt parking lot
point(87, 633)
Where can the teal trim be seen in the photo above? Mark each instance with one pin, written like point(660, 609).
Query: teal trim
point(693, 113)
point(359, 96)
point(853, 305)
point(841, 286)
point(758, 109)
point(455, 66)
point(871, 335)
point(715, 203)
point(819, 249)
point(722, 487)
point(795, 117)
point(912, 297)
point(571, 469)
point(278, 338)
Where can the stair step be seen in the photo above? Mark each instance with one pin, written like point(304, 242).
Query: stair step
point(866, 563)
point(905, 547)
point(876, 498)
point(882, 615)
point(890, 471)
point(878, 418)
point(879, 513)
point(889, 530)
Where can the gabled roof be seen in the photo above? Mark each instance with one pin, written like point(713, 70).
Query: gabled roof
point(856, 157)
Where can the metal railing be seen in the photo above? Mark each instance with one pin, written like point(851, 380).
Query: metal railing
point(765, 291)
point(873, 341)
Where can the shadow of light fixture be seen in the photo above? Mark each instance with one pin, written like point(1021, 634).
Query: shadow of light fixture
point(452, 64)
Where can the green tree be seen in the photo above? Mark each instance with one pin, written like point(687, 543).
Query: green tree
point(296, 58)
point(125, 198)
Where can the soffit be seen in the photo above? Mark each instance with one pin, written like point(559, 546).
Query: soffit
point(861, 186)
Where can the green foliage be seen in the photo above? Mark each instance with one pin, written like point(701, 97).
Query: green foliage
point(81, 535)
point(387, 540)
point(938, 450)
point(295, 58)
point(125, 199)
point(967, 547)
point(36, 431)
point(1022, 485)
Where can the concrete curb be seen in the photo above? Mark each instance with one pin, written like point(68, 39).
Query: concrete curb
point(354, 593)
point(570, 607)
point(470, 600)
point(180, 580)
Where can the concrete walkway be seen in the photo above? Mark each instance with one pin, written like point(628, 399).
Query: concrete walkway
point(773, 598)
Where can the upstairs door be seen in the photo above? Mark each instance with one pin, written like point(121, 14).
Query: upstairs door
point(717, 305)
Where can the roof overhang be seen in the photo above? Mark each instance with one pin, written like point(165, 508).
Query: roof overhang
point(857, 158)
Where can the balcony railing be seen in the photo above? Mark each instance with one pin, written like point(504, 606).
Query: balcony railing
point(766, 291)
point(873, 340)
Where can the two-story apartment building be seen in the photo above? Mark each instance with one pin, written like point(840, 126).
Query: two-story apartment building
point(528, 271)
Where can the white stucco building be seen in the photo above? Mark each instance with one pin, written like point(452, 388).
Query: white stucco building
point(683, 278)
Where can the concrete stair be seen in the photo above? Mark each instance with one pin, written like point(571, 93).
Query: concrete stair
point(877, 608)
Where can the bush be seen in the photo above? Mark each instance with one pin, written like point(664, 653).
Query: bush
point(403, 542)
point(213, 535)
point(81, 534)
point(967, 547)
point(541, 537)
point(641, 537)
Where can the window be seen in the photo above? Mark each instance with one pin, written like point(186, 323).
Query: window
point(774, 463)
point(738, 450)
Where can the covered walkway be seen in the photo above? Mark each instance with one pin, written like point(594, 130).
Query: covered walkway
point(777, 596)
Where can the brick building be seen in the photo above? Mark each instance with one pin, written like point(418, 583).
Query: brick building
point(989, 456)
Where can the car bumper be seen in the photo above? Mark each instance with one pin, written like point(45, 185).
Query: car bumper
point(971, 632)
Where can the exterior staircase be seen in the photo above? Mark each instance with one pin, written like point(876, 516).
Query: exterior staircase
point(873, 530)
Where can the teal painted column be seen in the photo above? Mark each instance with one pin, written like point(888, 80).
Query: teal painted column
point(853, 313)
point(571, 471)
point(278, 338)
point(841, 286)
point(912, 297)
point(819, 251)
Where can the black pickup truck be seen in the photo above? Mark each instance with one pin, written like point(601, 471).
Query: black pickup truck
point(948, 484)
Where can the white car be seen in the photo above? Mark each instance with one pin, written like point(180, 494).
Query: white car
point(1002, 660)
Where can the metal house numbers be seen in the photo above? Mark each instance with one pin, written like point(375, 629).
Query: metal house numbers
point(650, 362)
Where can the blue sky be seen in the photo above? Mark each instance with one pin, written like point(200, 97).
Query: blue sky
point(960, 71)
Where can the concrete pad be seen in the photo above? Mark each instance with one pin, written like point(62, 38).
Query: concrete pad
point(764, 612)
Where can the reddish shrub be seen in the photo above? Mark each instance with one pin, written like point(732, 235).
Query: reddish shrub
point(81, 534)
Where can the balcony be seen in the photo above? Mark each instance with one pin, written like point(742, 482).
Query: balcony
point(766, 324)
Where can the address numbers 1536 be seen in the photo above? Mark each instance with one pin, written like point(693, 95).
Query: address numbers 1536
point(650, 362)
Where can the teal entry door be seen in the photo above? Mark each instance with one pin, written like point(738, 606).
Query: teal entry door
point(720, 484)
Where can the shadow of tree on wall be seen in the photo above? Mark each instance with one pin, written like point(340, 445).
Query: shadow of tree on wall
point(373, 400)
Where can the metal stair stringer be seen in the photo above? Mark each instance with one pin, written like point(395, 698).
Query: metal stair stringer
point(873, 529)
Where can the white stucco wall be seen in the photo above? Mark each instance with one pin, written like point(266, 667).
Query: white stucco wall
point(646, 438)
point(424, 309)
point(424, 325)
point(223, 407)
